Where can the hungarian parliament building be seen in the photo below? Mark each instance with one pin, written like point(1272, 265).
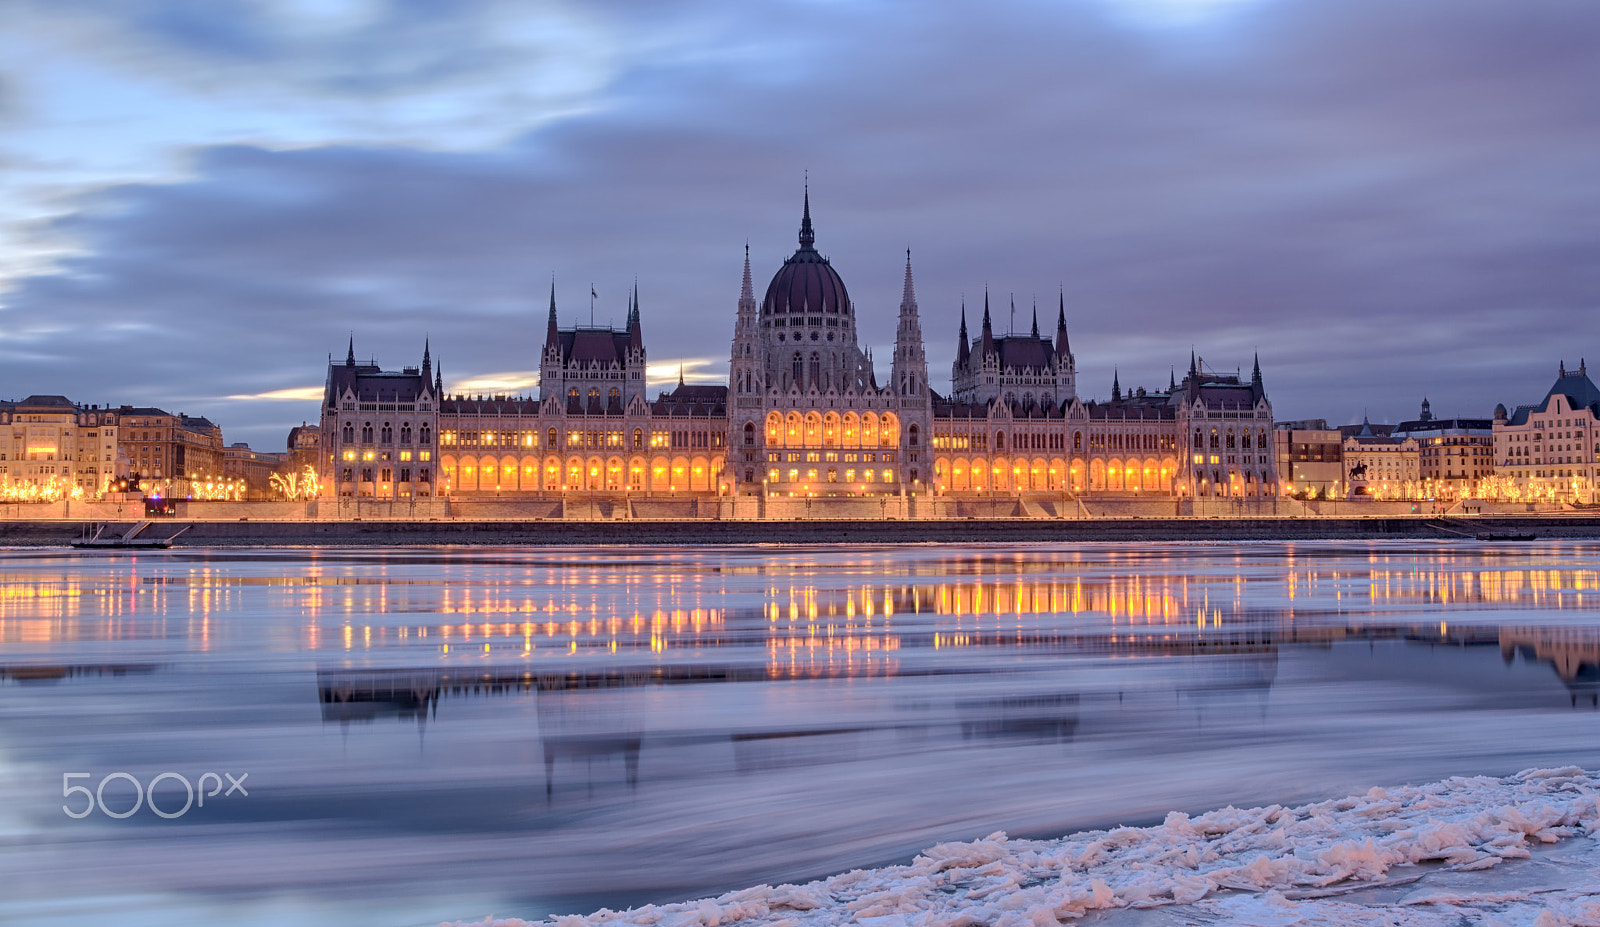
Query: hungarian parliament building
point(804, 414)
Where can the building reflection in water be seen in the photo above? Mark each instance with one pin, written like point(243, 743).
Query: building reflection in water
point(1116, 606)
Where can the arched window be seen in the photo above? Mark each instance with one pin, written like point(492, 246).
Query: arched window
point(348, 433)
point(615, 395)
point(366, 433)
point(572, 394)
point(1077, 440)
point(1198, 441)
point(427, 433)
point(1215, 438)
point(999, 440)
point(594, 394)
point(638, 438)
point(912, 435)
point(816, 370)
point(405, 432)
point(388, 433)
point(1230, 440)
point(749, 434)
point(551, 437)
point(799, 369)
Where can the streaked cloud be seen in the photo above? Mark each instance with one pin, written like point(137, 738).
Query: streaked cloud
point(1384, 199)
point(293, 394)
point(668, 371)
point(516, 382)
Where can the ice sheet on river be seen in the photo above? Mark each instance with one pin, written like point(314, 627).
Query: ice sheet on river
point(1258, 866)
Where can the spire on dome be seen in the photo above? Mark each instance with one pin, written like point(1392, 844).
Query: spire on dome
point(350, 358)
point(1172, 380)
point(1194, 370)
point(1116, 386)
point(1035, 331)
point(808, 236)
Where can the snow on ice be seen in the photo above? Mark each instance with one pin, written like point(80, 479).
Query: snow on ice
point(1260, 867)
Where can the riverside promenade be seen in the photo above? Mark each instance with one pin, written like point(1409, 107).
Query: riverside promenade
point(406, 532)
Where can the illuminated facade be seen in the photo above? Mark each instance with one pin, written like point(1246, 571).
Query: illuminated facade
point(378, 430)
point(803, 415)
point(1550, 451)
point(170, 452)
point(807, 415)
point(52, 448)
point(1207, 436)
point(1386, 466)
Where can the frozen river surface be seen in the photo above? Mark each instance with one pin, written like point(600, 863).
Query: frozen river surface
point(427, 734)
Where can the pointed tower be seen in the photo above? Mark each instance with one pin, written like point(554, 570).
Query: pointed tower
point(746, 366)
point(427, 361)
point(747, 380)
point(988, 330)
point(1116, 386)
point(438, 381)
point(910, 369)
point(350, 357)
point(551, 363)
point(1066, 366)
point(963, 342)
point(634, 360)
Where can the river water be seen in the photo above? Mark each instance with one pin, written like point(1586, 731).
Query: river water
point(411, 735)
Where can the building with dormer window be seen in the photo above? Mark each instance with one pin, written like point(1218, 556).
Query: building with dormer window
point(804, 414)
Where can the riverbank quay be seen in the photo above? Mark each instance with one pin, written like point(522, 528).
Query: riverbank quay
point(1507, 529)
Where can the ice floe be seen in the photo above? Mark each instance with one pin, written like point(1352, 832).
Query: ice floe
point(1256, 866)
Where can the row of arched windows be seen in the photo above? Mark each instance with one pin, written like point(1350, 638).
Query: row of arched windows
point(385, 433)
point(832, 429)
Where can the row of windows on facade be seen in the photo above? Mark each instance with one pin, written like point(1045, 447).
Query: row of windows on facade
point(830, 457)
point(1097, 441)
point(1097, 476)
point(583, 438)
point(832, 430)
point(1554, 449)
point(811, 475)
point(351, 454)
point(385, 433)
point(385, 475)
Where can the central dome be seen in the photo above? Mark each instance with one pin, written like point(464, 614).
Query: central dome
point(806, 284)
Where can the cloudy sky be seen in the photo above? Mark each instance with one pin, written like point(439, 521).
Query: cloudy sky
point(201, 199)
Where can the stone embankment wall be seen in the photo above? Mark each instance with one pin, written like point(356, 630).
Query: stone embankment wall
point(814, 531)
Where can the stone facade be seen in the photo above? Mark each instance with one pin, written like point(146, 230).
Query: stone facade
point(51, 447)
point(803, 416)
point(1551, 449)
